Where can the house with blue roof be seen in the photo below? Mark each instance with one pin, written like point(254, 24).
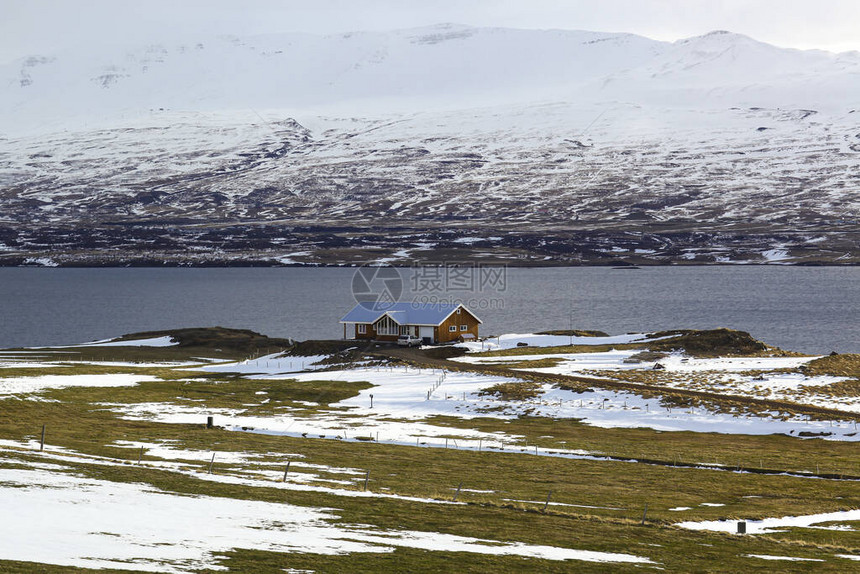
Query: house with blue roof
point(433, 322)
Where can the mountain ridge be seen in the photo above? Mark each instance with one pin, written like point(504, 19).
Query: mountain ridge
point(568, 145)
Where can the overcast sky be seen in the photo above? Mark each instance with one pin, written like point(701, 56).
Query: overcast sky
point(46, 26)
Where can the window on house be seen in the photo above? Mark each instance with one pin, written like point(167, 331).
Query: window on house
point(404, 330)
point(458, 311)
point(387, 326)
point(362, 329)
point(464, 327)
point(452, 328)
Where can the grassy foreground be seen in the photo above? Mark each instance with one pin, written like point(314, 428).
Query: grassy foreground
point(600, 504)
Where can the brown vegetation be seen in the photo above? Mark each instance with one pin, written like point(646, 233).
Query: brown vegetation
point(240, 340)
point(514, 391)
point(712, 343)
point(574, 333)
point(836, 365)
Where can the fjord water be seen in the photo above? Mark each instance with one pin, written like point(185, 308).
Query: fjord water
point(809, 309)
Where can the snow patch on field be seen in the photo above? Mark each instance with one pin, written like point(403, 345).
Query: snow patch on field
point(141, 365)
point(774, 378)
point(275, 364)
point(100, 524)
point(511, 340)
point(28, 385)
point(403, 396)
point(785, 558)
point(575, 363)
point(773, 524)
point(568, 362)
point(227, 469)
point(14, 363)
point(165, 341)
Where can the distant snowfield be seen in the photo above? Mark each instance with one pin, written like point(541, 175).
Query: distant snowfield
point(165, 341)
point(403, 397)
point(151, 342)
point(511, 340)
point(761, 377)
point(100, 524)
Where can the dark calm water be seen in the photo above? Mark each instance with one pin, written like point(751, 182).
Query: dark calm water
point(801, 308)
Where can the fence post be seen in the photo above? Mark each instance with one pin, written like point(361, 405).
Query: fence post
point(456, 494)
point(366, 478)
point(140, 456)
point(211, 462)
point(548, 496)
point(645, 514)
point(42, 442)
point(286, 470)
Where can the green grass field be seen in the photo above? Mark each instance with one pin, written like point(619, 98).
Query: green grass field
point(599, 505)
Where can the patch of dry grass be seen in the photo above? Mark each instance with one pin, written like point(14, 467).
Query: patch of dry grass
point(532, 364)
point(847, 365)
point(514, 391)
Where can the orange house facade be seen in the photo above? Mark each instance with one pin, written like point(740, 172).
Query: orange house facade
point(433, 322)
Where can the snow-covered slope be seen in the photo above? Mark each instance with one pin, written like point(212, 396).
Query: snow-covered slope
point(557, 132)
point(353, 74)
point(443, 67)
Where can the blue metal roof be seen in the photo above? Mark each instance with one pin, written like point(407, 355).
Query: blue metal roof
point(404, 313)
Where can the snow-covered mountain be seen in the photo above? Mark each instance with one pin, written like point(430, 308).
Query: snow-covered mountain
point(449, 141)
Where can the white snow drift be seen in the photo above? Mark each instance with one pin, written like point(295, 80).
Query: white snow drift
point(100, 524)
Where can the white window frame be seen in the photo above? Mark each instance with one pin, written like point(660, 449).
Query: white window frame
point(452, 329)
point(458, 310)
point(362, 329)
point(387, 326)
point(464, 327)
point(404, 330)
